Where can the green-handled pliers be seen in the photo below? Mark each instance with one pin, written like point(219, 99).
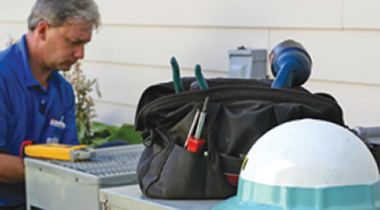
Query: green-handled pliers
point(178, 86)
point(199, 76)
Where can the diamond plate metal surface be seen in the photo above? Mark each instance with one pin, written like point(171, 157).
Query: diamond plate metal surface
point(108, 161)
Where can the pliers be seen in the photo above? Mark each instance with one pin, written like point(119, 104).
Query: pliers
point(178, 86)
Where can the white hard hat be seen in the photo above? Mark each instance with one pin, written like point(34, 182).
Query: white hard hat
point(307, 164)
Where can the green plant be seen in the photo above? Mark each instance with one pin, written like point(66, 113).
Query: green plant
point(102, 133)
point(84, 103)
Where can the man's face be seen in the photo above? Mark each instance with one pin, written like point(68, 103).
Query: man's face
point(64, 45)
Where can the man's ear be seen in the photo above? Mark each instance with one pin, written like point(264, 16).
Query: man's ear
point(42, 29)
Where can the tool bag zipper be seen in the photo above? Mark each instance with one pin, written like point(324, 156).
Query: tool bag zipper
point(215, 93)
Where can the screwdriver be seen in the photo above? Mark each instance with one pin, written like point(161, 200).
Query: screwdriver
point(192, 127)
point(195, 143)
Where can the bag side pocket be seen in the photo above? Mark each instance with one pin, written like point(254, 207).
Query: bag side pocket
point(189, 175)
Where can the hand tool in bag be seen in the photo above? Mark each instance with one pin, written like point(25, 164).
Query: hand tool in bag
point(290, 64)
point(59, 151)
point(196, 85)
point(176, 76)
point(200, 83)
point(196, 143)
point(200, 79)
point(192, 127)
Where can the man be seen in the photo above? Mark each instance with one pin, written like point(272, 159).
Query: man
point(32, 92)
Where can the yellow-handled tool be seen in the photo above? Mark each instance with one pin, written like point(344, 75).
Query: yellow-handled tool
point(59, 151)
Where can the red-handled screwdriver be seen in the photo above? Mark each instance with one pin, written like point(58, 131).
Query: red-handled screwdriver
point(192, 127)
point(195, 143)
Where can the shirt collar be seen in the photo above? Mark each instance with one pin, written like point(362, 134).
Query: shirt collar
point(55, 77)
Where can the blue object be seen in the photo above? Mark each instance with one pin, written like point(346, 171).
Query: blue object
point(290, 64)
point(26, 109)
point(258, 196)
point(194, 86)
point(113, 143)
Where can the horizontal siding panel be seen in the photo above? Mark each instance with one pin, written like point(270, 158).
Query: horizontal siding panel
point(124, 84)
point(344, 56)
point(360, 103)
point(226, 13)
point(363, 14)
point(156, 45)
point(114, 114)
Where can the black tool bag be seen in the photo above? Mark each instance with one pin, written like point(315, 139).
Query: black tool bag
point(239, 111)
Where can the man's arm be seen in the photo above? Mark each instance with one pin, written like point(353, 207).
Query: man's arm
point(11, 169)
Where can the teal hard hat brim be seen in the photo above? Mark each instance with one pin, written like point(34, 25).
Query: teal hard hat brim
point(256, 196)
point(235, 204)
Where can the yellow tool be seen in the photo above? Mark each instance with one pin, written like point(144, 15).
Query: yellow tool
point(59, 151)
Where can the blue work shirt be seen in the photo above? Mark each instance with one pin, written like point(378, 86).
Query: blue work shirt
point(26, 109)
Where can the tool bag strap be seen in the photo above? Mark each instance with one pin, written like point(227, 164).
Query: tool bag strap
point(147, 137)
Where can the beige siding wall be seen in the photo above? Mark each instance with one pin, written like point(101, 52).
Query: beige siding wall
point(132, 49)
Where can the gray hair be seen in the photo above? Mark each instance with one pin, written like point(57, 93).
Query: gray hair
point(58, 12)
